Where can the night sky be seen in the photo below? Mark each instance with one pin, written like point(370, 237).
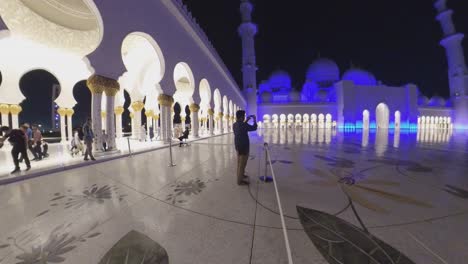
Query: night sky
point(396, 40)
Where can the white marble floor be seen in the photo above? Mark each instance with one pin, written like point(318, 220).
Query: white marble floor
point(348, 198)
point(60, 157)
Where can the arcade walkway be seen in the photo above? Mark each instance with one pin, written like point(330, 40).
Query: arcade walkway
point(348, 203)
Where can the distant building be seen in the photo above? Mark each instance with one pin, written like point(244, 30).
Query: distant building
point(354, 99)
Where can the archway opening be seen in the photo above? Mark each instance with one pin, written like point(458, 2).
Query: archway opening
point(82, 109)
point(397, 119)
point(184, 83)
point(188, 120)
point(382, 115)
point(365, 119)
point(126, 120)
point(40, 88)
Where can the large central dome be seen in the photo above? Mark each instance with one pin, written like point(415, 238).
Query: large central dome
point(323, 70)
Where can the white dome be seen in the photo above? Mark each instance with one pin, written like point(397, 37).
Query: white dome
point(266, 97)
point(423, 100)
point(322, 96)
point(437, 101)
point(359, 77)
point(323, 70)
point(280, 80)
point(295, 96)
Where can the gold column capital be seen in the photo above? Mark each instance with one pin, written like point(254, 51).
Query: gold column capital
point(119, 110)
point(149, 113)
point(210, 112)
point(165, 100)
point(220, 115)
point(15, 109)
point(62, 111)
point(138, 106)
point(97, 83)
point(69, 112)
point(132, 115)
point(103, 114)
point(156, 116)
point(194, 108)
point(4, 109)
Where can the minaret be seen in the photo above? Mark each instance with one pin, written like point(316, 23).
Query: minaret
point(457, 69)
point(247, 31)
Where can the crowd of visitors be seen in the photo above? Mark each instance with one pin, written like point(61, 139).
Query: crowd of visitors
point(24, 139)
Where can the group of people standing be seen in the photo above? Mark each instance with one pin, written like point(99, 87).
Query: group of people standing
point(21, 140)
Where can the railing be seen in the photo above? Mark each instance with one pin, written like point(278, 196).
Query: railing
point(283, 224)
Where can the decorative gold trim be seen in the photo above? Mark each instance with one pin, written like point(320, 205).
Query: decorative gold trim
point(132, 115)
point(15, 109)
point(165, 100)
point(97, 84)
point(156, 116)
point(119, 110)
point(210, 112)
point(138, 106)
point(62, 112)
point(194, 108)
point(4, 109)
point(149, 113)
point(103, 114)
point(220, 115)
point(69, 112)
point(111, 91)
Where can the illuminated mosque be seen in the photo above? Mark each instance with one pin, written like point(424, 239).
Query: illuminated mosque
point(356, 98)
point(86, 40)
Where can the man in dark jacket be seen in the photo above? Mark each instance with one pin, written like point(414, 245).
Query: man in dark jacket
point(241, 140)
point(184, 136)
point(19, 141)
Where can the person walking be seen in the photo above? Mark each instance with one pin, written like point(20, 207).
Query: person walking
point(104, 139)
point(29, 135)
point(18, 139)
point(37, 142)
point(242, 143)
point(88, 136)
point(76, 146)
point(143, 133)
point(184, 136)
point(151, 133)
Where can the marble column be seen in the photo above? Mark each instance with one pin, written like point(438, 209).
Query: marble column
point(211, 121)
point(118, 111)
point(163, 128)
point(149, 124)
point(194, 108)
point(5, 111)
point(97, 85)
point(111, 89)
point(220, 123)
point(63, 116)
point(132, 124)
point(157, 129)
point(14, 111)
point(166, 101)
point(228, 124)
point(202, 125)
point(70, 113)
point(137, 106)
point(103, 120)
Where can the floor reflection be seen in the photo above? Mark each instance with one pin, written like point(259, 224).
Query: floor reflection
point(382, 139)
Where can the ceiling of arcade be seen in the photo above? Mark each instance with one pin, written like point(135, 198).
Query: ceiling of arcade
point(71, 25)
